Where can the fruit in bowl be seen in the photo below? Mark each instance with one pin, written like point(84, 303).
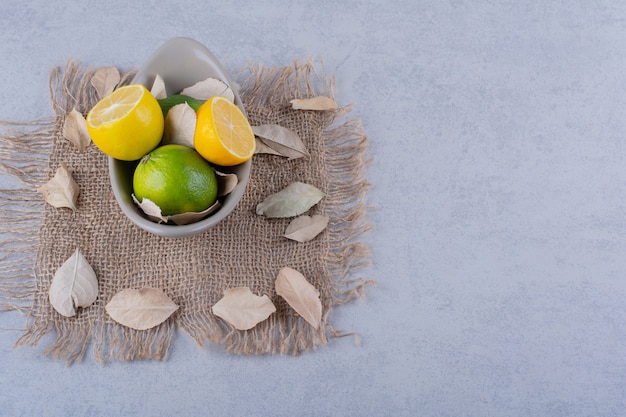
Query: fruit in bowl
point(177, 179)
point(174, 181)
point(126, 124)
point(222, 136)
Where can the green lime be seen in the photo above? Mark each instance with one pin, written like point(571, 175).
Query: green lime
point(177, 179)
point(169, 102)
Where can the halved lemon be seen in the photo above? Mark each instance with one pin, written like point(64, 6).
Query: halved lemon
point(223, 135)
point(126, 124)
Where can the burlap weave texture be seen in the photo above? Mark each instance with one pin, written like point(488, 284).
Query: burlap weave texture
point(244, 250)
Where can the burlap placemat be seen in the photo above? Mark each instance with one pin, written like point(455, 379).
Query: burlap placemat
point(244, 250)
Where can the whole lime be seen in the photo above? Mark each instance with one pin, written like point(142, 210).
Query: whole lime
point(177, 179)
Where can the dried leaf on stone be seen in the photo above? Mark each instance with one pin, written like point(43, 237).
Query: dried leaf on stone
point(74, 285)
point(140, 309)
point(315, 103)
point(180, 125)
point(291, 201)
point(158, 88)
point(303, 297)
point(105, 80)
point(305, 228)
point(153, 211)
point(75, 130)
point(243, 309)
point(280, 141)
point(226, 183)
point(205, 89)
point(61, 190)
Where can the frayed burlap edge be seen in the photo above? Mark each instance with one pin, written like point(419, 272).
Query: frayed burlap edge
point(69, 88)
point(346, 158)
point(23, 152)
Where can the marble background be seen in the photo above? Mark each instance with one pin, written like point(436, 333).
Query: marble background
point(496, 130)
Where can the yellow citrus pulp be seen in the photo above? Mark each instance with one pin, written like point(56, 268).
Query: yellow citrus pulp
point(223, 135)
point(126, 124)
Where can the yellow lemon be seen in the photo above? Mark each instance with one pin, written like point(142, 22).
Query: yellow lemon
point(223, 135)
point(126, 124)
point(176, 179)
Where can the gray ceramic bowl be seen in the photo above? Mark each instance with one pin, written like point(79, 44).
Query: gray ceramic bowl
point(181, 62)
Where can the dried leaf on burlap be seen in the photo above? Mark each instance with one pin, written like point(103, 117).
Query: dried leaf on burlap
point(140, 309)
point(263, 148)
point(226, 183)
point(158, 88)
point(300, 295)
point(305, 228)
point(74, 285)
point(75, 130)
point(153, 211)
point(205, 89)
point(61, 190)
point(315, 103)
point(180, 125)
point(243, 309)
point(105, 80)
point(291, 201)
point(279, 140)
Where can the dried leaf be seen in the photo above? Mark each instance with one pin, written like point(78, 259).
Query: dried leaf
point(140, 309)
point(105, 80)
point(205, 89)
point(180, 125)
point(305, 228)
point(153, 211)
point(263, 148)
point(194, 216)
point(74, 285)
point(61, 190)
point(281, 140)
point(75, 130)
point(300, 295)
point(243, 309)
point(292, 201)
point(315, 103)
point(158, 88)
point(226, 183)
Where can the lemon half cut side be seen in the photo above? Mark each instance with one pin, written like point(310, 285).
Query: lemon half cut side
point(223, 135)
point(127, 124)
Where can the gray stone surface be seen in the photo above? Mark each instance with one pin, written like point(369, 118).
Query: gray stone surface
point(497, 136)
